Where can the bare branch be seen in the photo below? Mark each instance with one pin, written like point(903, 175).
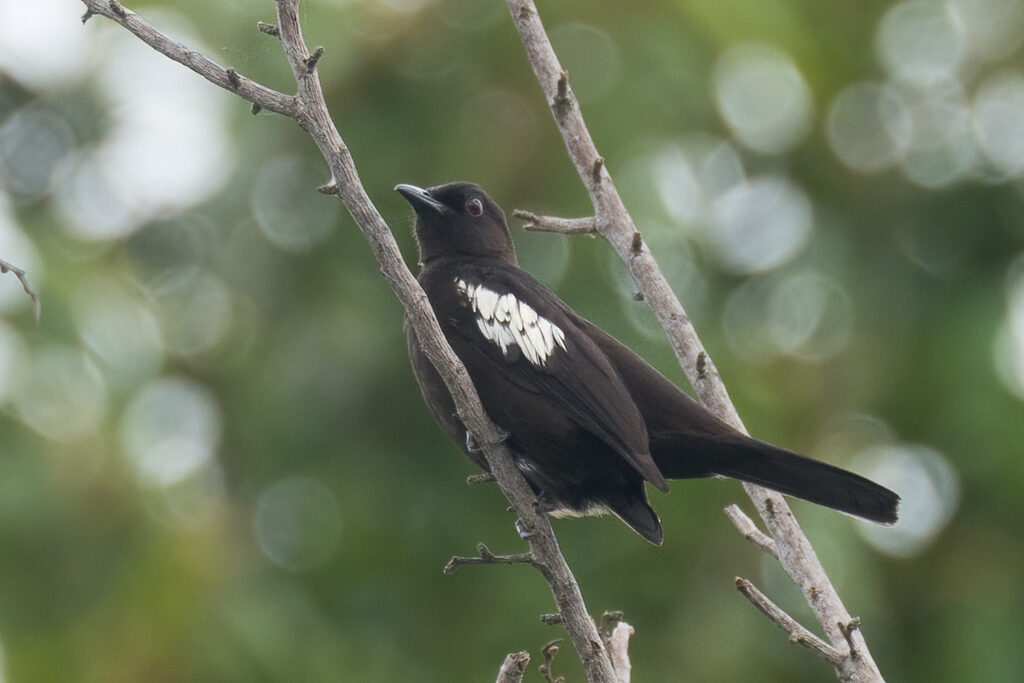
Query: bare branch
point(564, 226)
point(6, 267)
point(796, 555)
point(229, 79)
point(485, 557)
point(514, 667)
point(746, 526)
point(797, 633)
point(309, 110)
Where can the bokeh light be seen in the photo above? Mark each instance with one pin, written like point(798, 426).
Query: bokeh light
point(120, 328)
point(32, 142)
point(763, 98)
point(60, 393)
point(590, 56)
point(941, 147)
point(1009, 341)
point(869, 126)
point(690, 175)
point(290, 215)
point(170, 429)
point(921, 43)
point(166, 147)
point(999, 121)
point(59, 60)
point(194, 309)
point(994, 29)
point(760, 224)
point(13, 357)
point(298, 523)
point(929, 489)
point(802, 315)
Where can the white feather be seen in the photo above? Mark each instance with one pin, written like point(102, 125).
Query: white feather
point(505, 321)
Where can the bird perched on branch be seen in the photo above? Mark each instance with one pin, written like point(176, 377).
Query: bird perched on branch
point(588, 421)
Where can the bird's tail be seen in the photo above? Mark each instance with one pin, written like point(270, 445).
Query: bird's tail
point(760, 463)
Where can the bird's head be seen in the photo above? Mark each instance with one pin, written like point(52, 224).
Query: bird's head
point(458, 219)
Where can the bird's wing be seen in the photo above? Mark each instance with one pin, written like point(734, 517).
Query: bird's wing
point(527, 336)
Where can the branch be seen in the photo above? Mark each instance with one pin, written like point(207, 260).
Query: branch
point(746, 526)
point(564, 226)
point(614, 223)
point(309, 110)
point(6, 267)
point(797, 633)
point(485, 557)
point(228, 79)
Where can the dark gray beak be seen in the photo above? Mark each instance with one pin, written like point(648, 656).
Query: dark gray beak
point(420, 199)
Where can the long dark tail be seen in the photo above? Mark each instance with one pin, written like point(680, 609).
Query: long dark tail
point(739, 457)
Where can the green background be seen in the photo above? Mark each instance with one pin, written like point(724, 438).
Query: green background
point(300, 533)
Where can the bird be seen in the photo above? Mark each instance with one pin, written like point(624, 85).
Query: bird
point(587, 421)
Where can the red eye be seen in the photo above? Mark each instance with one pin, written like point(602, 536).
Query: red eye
point(475, 207)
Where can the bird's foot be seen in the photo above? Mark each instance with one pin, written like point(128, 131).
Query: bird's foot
point(472, 446)
point(524, 533)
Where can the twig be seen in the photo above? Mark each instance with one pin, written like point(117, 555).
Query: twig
point(6, 267)
point(514, 667)
point(848, 630)
point(485, 556)
point(797, 633)
point(259, 95)
point(309, 110)
point(547, 668)
point(746, 526)
point(564, 226)
point(796, 555)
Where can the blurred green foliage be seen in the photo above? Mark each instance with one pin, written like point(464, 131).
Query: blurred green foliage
point(216, 465)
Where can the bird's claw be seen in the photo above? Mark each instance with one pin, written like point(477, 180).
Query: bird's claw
point(472, 446)
point(523, 532)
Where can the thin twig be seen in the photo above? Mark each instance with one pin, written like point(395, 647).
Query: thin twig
point(6, 267)
point(485, 556)
point(514, 667)
point(563, 226)
point(547, 668)
point(259, 95)
point(746, 526)
point(796, 555)
point(797, 633)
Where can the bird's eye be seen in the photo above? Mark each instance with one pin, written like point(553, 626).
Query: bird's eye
point(475, 207)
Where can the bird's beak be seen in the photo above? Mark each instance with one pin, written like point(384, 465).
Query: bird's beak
point(420, 199)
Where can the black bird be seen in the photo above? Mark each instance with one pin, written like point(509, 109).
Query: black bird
point(588, 420)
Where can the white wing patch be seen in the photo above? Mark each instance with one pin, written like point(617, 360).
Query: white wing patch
point(508, 322)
